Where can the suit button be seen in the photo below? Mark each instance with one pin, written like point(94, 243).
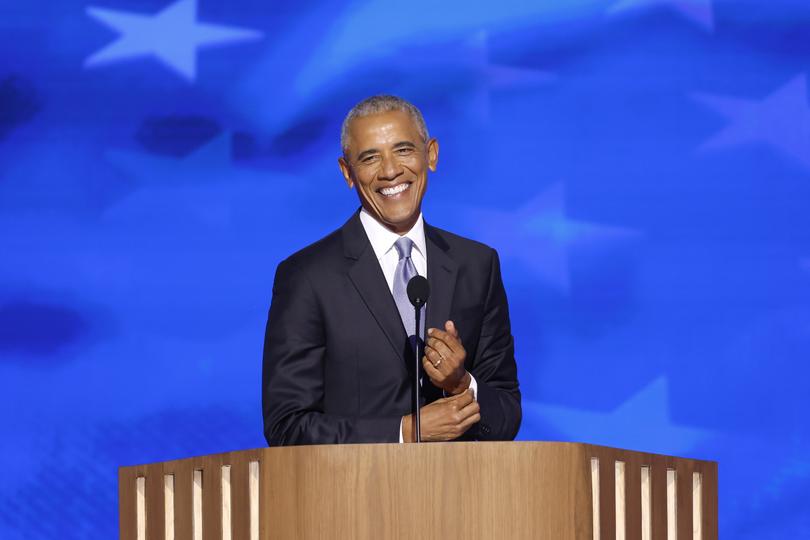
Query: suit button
point(485, 429)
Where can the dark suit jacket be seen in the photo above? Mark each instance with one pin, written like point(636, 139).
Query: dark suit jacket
point(336, 364)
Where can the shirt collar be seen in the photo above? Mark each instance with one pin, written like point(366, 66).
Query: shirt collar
point(382, 239)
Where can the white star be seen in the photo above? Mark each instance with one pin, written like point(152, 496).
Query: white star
point(171, 35)
point(643, 422)
point(781, 120)
point(543, 225)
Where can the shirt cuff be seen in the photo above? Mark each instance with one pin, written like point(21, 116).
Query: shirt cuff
point(401, 439)
point(474, 387)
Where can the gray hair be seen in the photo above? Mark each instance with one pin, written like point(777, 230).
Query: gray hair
point(380, 104)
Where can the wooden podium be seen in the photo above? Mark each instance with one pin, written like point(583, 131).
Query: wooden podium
point(493, 490)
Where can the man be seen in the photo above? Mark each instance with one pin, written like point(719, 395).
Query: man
point(337, 359)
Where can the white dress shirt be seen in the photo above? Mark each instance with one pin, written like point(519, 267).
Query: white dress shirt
point(382, 242)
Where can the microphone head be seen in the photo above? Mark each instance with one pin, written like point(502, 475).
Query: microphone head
point(418, 291)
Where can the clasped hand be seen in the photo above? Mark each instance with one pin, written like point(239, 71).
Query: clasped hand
point(445, 419)
point(444, 359)
point(450, 417)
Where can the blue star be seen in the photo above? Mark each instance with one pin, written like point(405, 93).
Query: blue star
point(203, 187)
point(543, 225)
point(493, 77)
point(171, 35)
point(699, 11)
point(642, 422)
point(781, 120)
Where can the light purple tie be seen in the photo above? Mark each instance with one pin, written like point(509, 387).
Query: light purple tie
point(404, 272)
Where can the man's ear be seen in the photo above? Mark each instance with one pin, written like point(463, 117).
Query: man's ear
point(433, 154)
point(346, 171)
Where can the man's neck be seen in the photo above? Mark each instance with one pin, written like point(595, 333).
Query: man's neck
point(401, 229)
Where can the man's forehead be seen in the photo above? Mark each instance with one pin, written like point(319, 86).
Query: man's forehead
point(384, 123)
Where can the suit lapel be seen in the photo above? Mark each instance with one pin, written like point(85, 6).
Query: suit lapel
point(442, 272)
point(367, 277)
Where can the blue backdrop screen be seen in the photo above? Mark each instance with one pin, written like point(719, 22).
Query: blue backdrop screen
point(642, 167)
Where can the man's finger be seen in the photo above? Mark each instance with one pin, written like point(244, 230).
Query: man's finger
point(450, 326)
point(464, 399)
point(470, 409)
point(468, 423)
point(448, 339)
point(431, 371)
point(440, 350)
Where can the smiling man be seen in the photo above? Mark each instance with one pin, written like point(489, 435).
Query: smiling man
point(337, 352)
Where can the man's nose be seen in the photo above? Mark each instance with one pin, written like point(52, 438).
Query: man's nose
point(390, 168)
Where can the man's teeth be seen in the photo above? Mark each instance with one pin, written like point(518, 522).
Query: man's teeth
point(389, 191)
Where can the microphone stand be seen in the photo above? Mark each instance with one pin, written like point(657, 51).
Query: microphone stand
point(418, 293)
point(417, 365)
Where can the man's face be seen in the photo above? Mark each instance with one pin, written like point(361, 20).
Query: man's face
point(387, 161)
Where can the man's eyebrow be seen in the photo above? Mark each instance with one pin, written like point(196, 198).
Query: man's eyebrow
point(365, 153)
point(404, 144)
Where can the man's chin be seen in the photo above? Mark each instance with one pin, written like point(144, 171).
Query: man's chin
point(399, 223)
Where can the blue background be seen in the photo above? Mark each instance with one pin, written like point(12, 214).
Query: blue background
point(642, 166)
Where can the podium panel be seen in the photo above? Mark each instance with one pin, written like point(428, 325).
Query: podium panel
point(516, 490)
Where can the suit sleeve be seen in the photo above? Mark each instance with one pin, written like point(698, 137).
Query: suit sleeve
point(293, 372)
point(494, 367)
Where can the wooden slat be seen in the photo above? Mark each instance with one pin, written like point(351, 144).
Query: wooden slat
point(632, 475)
point(267, 493)
point(596, 510)
point(212, 498)
point(126, 503)
point(254, 477)
point(607, 495)
point(155, 525)
point(646, 501)
point(239, 495)
point(710, 507)
point(140, 507)
point(182, 471)
point(620, 490)
point(225, 506)
point(658, 471)
point(168, 508)
point(697, 506)
point(685, 470)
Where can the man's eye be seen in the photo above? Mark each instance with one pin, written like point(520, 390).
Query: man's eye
point(369, 159)
point(405, 151)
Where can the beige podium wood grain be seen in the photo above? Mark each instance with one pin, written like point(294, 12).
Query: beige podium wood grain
point(515, 490)
point(456, 490)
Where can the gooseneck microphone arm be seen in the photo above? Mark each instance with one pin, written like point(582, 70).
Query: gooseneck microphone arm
point(418, 292)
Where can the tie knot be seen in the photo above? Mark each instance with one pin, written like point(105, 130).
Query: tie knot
point(404, 246)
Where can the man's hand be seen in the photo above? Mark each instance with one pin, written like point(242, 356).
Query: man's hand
point(445, 419)
point(444, 359)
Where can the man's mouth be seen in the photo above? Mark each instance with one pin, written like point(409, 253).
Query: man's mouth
point(393, 191)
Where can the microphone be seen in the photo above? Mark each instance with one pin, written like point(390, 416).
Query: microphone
point(418, 292)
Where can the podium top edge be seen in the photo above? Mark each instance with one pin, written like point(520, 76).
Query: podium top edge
point(225, 457)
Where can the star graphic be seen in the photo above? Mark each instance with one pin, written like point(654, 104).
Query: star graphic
point(491, 76)
point(540, 235)
point(205, 187)
point(642, 422)
point(172, 36)
point(781, 120)
point(698, 11)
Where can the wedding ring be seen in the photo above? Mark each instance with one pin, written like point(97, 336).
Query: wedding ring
point(437, 364)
